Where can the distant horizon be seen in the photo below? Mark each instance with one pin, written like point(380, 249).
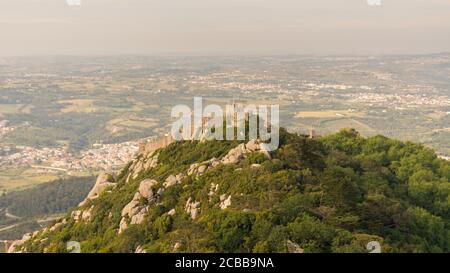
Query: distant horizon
point(224, 27)
point(186, 55)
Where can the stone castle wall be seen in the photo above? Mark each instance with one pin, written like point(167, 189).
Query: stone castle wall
point(153, 144)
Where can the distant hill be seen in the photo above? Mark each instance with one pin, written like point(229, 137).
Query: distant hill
point(331, 194)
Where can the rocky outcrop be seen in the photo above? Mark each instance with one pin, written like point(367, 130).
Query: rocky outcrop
point(76, 215)
point(86, 216)
point(293, 247)
point(15, 246)
point(213, 190)
point(134, 213)
point(122, 225)
point(192, 208)
point(139, 217)
point(225, 201)
point(134, 210)
point(200, 168)
point(82, 215)
point(104, 181)
point(173, 180)
point(144, 163)
point(235, 155)
point(56, 226)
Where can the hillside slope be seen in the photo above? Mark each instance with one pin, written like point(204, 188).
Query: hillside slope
point(331, 194)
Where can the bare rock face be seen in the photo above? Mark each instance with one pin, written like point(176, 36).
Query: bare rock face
point(104, 181)
point(192, 208)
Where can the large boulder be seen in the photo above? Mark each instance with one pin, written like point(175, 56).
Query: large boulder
point(172, 180)
point(145, 188)
point(104, 181)
point(132, 208)
point(252, 145)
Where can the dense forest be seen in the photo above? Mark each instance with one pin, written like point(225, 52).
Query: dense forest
point(47, 198)
point(43, 200)
point(329, 194)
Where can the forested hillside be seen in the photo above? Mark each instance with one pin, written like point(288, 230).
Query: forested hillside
point(20, 210)
point(330, 194)
point(47, 198)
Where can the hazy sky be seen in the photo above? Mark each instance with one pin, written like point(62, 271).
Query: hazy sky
point(49, 27)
